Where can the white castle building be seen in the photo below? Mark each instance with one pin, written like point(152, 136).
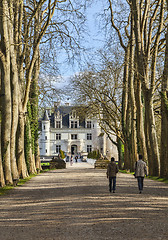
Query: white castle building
point(64, 130)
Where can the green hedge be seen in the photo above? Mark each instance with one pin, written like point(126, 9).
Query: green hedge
point(94, 155)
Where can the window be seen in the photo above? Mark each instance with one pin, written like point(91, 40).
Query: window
point(74, 124)
point(58, 136)
point(58, 124)
point(58, 148)
point(46, 150)
point(73, 136)
point(45, 137)
point(44, 127)
point(89, 136)
point(74, 114)
point(88, 124)
point(89, 148)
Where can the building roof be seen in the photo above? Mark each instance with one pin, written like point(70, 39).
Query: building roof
point(65, 112)
point(45, 117)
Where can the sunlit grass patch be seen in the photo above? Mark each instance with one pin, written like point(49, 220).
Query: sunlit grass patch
point(5, 189)
point(22, 181)
point(158, 179)
point(45, 164)
point(150, 177)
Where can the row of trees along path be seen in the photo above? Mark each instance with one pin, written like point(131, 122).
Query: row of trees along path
point(74, 203)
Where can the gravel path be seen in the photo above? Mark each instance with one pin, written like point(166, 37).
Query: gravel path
point(74, 204)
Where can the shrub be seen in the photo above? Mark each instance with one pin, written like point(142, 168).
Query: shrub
point(94, 154)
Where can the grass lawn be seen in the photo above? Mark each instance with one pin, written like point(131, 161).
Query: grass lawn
point(5, 189)
point(45, 163)
point(150, 177)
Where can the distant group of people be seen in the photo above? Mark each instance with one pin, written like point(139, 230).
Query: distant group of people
point(71, 159)
point(140, 172)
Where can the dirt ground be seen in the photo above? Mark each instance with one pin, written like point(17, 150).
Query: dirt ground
point(75, 203)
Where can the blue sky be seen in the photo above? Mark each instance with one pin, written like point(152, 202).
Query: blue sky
point(93, 39)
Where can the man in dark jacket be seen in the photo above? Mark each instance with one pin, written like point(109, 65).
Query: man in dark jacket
point(112, 170)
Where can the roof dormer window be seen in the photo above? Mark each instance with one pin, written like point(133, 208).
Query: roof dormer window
point(88, 124)
point(58, 124)
point(73, 114)
point(74, 124)
point(58, 119)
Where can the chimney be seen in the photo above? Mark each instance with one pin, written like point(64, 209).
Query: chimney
point(56, 104)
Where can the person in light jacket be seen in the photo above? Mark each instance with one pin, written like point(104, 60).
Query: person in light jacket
point(112, 170)
point(140, 172)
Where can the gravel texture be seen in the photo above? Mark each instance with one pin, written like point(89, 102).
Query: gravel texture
point(75, 204)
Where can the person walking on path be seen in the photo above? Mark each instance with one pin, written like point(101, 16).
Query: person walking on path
point(112, 170)
point(140, 172)
point(76, 159)
point(71, 160)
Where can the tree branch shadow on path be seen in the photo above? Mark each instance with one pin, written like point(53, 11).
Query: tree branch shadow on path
point(75, 204)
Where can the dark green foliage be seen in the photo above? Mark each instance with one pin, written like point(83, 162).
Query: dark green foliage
point(31, 127)
point(94, 155)
point(120, 147)
point(27, 144)
point(31, 124)
point(57, 163)
point(34, 117)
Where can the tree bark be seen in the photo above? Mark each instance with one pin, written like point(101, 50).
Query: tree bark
point(140, 121)
point(164, 115)
point(32, 168)
point(14, 94)
point(132, 98)
point(125, 108)
point(22, 169)
point(151, 131)
point(2, 179)
point(144, 57)
point(6, 92)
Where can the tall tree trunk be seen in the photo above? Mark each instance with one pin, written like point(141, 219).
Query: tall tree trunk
point(164, 115)
point(6, 91)
point(37, 158)
point(22, 169)
point(128, 143)
point(32, 168)
point(132, 98)
point(125, 109)
point(2, 179)
point(148, 146)
point(140, 121)
point(14, 94)
point(34, 111)
point(154, 149)
point(19, 5)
